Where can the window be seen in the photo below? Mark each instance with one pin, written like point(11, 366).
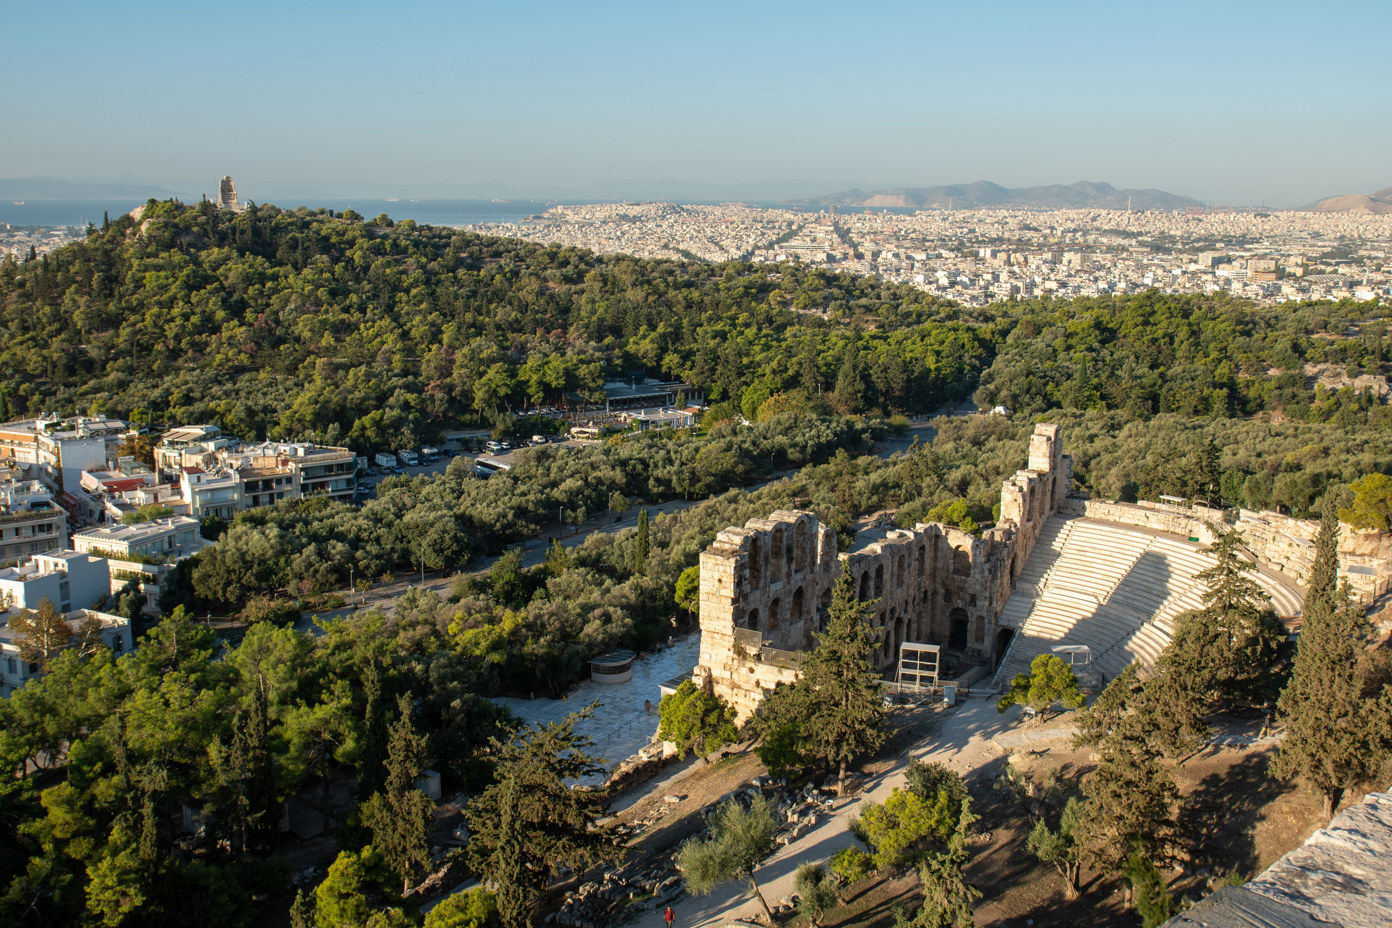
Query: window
point(10, 665)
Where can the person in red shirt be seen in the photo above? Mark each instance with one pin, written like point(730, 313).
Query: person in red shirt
point(669, 916)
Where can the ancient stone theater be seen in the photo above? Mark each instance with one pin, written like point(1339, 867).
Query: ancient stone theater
point(766, 587)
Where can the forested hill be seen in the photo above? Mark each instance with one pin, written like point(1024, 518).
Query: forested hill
point(302, 324)
point(310, 325)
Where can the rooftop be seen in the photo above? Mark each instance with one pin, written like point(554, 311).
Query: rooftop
point(132, 534)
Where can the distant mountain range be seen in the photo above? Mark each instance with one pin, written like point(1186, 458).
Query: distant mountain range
point(985, 195)
point(1380, 202)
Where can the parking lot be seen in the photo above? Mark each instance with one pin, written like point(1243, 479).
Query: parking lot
point(375, 474)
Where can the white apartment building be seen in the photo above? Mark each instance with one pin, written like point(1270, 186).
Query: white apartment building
point(30, 522)
point(68, 579)
point(221, 476)
point(164, 540)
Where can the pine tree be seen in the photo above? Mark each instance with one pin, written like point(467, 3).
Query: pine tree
point(696, 721)
point(529, 821)
point(1154, 904)
point(399, 815)
point(842, 686)
point(1130, 797)
point(1336, 724)
point(1062, 847)
point(301, 911)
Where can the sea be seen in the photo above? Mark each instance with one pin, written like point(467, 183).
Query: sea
point(426, 212)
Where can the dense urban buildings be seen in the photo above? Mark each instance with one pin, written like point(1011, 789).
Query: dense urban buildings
point(982, 256)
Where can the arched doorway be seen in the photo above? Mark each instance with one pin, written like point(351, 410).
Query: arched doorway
point(1003, 639)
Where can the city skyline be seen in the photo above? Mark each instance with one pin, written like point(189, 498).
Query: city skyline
point(1243, 105)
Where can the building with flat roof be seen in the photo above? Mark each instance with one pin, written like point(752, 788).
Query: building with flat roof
point(222, 476)
point(164, 540)
point(69, 446)
point(189, 446)
point(68, 579)
point(30, 521)
point(642, 393)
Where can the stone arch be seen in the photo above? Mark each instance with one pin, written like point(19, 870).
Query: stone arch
point(864, 586)
point(961, 562)
point(900, 569)
point(799, 605)
point(803, 542)
point(958, 628)
point(751, 619)
point(879, 581)
point(892, 635)
point(921, 560)
point(979, 629)
point(778, 557)
point(775, 614)
point(756, 564)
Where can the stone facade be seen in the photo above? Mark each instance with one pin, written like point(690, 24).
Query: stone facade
point(766, 587)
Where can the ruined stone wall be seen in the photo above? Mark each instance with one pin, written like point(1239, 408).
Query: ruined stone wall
point(766, 587)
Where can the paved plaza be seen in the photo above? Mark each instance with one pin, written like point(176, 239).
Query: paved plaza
point(621, 726)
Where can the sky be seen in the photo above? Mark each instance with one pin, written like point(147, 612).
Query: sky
point(1236, 103)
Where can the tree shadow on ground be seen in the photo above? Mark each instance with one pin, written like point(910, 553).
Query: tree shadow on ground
point(1220, 815)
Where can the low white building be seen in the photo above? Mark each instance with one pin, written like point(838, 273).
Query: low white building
point(164, 540)
point(69, 579)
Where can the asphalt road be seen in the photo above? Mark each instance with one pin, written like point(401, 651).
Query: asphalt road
point(384, 596)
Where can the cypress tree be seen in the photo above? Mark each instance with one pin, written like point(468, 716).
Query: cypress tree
point(1222, 650)
point(1336, 724)
point(842, 686)
point(259, 765)
point(530, 820)
point(399, 815)
point(641, 544)
point(372, 761)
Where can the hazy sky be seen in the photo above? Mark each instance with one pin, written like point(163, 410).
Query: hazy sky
point(1243, 103)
